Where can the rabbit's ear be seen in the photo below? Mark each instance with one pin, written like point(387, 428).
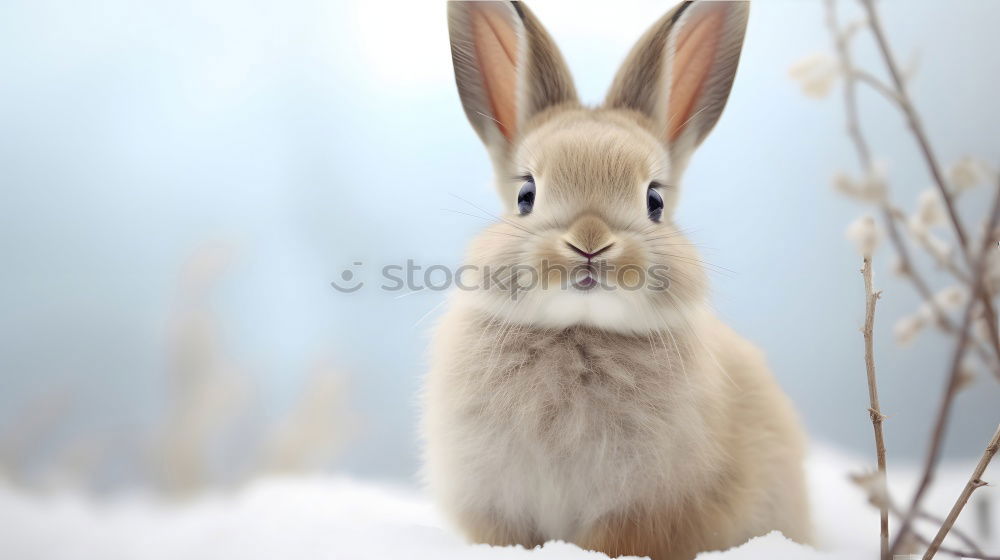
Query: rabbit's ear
point(506, 66)
point(680, 72)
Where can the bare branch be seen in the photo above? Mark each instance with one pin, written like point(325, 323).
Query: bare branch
point(876, 84)
point(975, 481)
point(974, 550)
point(871, 297)
point(913, 119)
point(879, 495)
point(952, 385)
point(944, 261)
point(889, 214)
point(979, 304)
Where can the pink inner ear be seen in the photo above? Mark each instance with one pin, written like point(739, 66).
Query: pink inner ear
point(496, 54)
point(692, 64)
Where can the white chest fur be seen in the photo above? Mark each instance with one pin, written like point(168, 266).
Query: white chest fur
point(554, 429)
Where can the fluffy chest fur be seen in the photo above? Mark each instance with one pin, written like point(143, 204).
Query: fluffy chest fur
point(554, 429)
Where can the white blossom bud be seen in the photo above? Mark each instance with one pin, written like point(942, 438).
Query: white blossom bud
point(930, 211)
point(966, 173)
point(917, 227)
point(907, 328)
point(966, 374)
point(816, 74)
point(874, 184)
point(855, 26)
point(865, 234)
point(844, 184)
point(873, 485)
point(926, 313)
point(899, 267)
point(870, 188)
point(937, 246)
point(951, 297)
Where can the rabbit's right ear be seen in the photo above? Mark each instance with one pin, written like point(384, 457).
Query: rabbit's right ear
point(507, 68)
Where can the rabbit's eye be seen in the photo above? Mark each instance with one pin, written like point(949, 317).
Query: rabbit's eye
point(654, 203)
point(526, 197)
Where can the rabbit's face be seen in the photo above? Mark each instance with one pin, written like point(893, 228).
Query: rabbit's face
point(591, 239)
point(588, 237)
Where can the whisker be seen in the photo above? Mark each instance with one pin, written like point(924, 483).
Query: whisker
point(488, 213)
point(432, 310)
point(417, 291)
point(713, 267)
point(488, 231)
point(665, 236)
point(658, 245)
point(674, 233)
point(692, 333)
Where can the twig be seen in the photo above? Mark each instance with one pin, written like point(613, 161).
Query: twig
point(875, 83)
point(960, 553)
point(952, 385)
point(867, 162)
point(891, 215)
point(880, 496)
point(943, 261)
point(913, 119)
point(974, 550)
point(871, 296)
point(975, 481)
point(976, 280)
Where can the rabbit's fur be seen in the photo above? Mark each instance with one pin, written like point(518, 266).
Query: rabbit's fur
point(629, 421)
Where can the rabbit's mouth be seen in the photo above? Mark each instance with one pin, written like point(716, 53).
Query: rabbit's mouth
point(586, 279)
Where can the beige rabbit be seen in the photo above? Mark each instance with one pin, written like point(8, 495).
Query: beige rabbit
point(580, 387)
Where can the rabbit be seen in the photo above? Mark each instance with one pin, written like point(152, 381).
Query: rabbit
point(580, 388)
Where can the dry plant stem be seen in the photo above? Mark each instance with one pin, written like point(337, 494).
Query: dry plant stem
point(943, 261)
point(906, 105)
point(972, 552)
point(865, 157)
point(965, 553)
point(961, 553)
point(977, 554)
point(876, 84)
point(975, 481)
point(951, 387)
point(915, 124)
point(976, 267)
point(871, 297)
point(891, 215)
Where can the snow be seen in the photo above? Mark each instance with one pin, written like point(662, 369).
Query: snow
point(327, 517)
point(772, 545)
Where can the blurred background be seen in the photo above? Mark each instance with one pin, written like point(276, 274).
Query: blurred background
point(181, 181)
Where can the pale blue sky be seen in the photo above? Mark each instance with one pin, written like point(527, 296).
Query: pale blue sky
point(314, 134)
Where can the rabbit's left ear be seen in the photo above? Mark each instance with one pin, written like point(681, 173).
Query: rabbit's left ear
point(680, 72)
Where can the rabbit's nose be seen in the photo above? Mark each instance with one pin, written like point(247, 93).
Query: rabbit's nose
point(589, 236)
point(585, 253)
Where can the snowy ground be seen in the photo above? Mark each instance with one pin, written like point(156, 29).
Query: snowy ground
point(337, 518)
